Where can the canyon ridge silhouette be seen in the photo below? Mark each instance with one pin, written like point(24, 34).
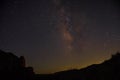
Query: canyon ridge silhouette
point(13, 67)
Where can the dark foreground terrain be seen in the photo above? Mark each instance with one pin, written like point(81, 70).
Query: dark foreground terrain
point(13, 68)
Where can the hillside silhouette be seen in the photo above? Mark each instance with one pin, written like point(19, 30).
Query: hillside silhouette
point(14, 68)
point(108, 70)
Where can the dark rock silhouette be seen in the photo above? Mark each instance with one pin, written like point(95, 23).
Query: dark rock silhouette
point(22, 61)
point(108, 70)
point(13, 67)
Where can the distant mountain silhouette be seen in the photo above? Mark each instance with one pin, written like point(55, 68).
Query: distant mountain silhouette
point(13, 67)
point(108, 70)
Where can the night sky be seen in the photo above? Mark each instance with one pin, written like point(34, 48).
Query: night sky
point(57, 35)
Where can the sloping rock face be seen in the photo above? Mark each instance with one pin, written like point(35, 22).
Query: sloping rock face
point(108, 70)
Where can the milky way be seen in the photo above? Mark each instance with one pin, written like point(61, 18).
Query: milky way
point(67, 30)
point(56, 35)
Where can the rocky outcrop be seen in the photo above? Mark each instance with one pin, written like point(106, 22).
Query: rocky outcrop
point(13, 67)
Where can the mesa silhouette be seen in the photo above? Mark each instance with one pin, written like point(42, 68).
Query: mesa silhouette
point(14, 68)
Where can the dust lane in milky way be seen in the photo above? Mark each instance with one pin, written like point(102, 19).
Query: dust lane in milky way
point(67, 31)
